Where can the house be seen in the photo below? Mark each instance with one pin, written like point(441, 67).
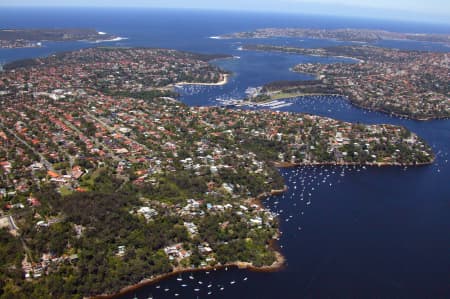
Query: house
point(34, 202)
point(147, 212)
point(77, 172)
point(257, 221)
point(53, 174)
point(6, 166)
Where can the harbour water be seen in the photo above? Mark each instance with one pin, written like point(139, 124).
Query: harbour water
point(347, 232)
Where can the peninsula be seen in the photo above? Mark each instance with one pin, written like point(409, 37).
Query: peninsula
point(411, 84)
point(107, 181)
point(31, 38)
point(346, 34)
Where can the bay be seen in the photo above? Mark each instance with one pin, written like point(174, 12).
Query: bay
point(366, 233)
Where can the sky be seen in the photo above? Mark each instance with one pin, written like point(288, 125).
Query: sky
point(418, 10)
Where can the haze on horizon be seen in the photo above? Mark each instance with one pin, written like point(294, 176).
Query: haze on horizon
point(415, 10)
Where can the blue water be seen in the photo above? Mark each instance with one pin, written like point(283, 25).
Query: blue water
point(372, 233)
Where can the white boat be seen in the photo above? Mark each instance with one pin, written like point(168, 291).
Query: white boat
point(280, 105)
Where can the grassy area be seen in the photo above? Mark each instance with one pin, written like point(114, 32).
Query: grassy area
point(65, 191)
point(285, 95)
point(88, 180)
point(288, 95)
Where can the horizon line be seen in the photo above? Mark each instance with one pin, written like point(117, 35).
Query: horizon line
point(430, 20)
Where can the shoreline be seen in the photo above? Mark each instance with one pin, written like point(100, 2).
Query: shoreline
point(280, 260)
point(379, 164)
point(370, 109)
point(277, 265)
point(384, 111)
point(223, 81)
point(353, 103)
point(357, 60)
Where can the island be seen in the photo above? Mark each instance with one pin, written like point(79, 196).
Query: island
point(32, 38)
point(107, 181)
point(344, 34)
point(413, 84)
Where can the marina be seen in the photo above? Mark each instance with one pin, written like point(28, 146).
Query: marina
point(274, 105)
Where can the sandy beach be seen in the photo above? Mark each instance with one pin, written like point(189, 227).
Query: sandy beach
point(222, 81)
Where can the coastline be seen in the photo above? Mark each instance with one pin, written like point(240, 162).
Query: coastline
point(358, 61)
point(223, 81)
point(40, 44)
point(277, 265)
point(114, 39)
point(280, 260)
point(381, 110)
point(379, 164)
